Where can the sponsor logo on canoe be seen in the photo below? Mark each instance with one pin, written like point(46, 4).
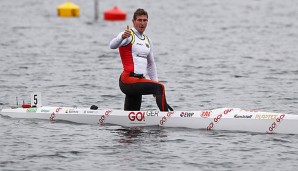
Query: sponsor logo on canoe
point(32, 110)
point(227, 111)
point(136, 116)
point(165, 118)
point(52, 117)
point(104, 116)
point(71, 111)
point(275, 123)
point(152, 113)
point(45, 111)
point(90, 111)
point(58, 109)
point(205, 114)
point(266, 116)
point(186, 114)
point(242, 116)
point(218, 118)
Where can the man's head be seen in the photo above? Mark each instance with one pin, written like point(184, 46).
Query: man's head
point(140, 19)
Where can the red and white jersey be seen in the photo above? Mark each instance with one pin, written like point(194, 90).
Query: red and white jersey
point(136, 53)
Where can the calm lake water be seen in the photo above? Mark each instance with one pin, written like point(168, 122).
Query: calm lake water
point(209, 54)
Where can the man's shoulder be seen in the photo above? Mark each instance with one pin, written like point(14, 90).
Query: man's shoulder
point(147, 37)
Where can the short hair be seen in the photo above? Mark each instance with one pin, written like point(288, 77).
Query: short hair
point(139, 12)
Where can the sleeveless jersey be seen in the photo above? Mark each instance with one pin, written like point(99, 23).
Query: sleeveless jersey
point(134, 55)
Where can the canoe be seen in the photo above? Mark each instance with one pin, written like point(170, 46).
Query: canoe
point(227, 119)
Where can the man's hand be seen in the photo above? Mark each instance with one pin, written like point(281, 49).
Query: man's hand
point(126, 33)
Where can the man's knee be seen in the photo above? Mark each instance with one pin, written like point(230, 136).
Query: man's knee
point(160, 89)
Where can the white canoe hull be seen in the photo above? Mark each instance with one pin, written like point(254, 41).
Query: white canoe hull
point(229, 119)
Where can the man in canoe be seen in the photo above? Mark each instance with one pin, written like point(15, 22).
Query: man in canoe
point(136, 54)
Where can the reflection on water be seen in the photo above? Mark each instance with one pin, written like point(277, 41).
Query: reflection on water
point(134, 134)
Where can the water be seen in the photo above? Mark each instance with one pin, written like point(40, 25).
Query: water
point(209, 54)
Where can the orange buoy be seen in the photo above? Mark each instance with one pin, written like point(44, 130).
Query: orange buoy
point(114, 14)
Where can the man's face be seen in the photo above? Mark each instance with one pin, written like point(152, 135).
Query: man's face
point(140, 23)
